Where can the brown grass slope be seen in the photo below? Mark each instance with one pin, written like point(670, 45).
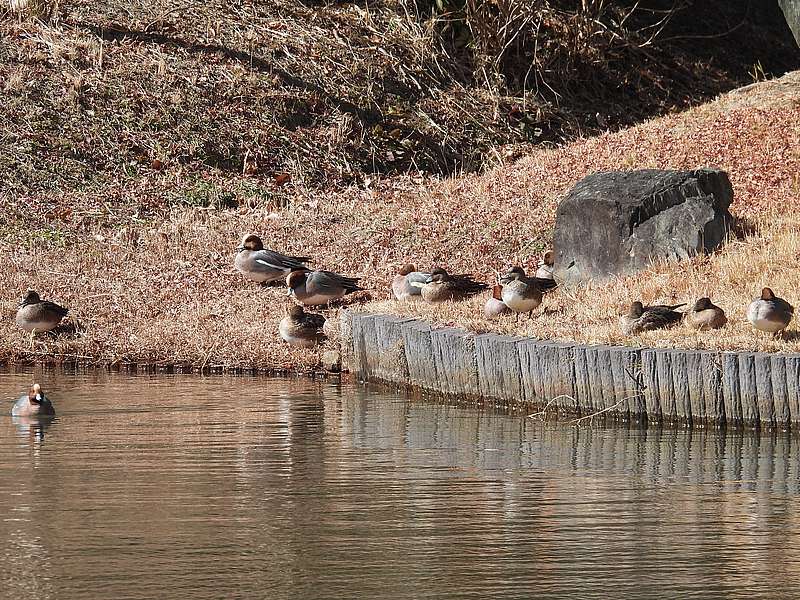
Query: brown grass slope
point(161, 287)
point(157, 103)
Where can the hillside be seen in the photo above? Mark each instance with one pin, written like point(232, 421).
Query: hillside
point(158, 103)
point(162, 288)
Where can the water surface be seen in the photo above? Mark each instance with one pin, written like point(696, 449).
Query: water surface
point(228, 487)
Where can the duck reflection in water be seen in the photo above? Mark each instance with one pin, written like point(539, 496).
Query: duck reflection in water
point(33, 428)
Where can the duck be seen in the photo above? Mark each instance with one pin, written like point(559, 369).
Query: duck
point(265, 266)
point(407, 284)
point(33, 404)
point(495, 307)
point(523, 294)
point(546, 266)
point(705, 315)
point(440, 286)
point(646, 318)
point(299, 328)
point(37, 315)
point(769, 313)
point(314, 288)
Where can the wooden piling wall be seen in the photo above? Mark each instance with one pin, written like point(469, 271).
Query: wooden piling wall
point(693, 387)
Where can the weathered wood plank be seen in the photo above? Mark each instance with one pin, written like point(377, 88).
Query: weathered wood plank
point(454, 354)
point(731, 395)
point(418, 351)
point(666, 392)
point(583, 393)
point(780, 390)
point(792, 362)
point(764, 390)
point(650, 384)
point(748, 392)
point(626, 371)
point(533, 384)
point(390, 364)
point(680, 386)
point(601, 378)
point(694, 374)
point(499, 372)
point(711, 363)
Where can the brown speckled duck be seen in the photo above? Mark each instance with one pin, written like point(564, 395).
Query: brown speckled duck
point(647, 318)
point(705, 315)
point(37, 315)
point(443, 287)
point(299, 328)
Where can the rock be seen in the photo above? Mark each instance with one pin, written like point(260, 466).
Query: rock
point(617, 222)
point(791, 10)
point(332, 361)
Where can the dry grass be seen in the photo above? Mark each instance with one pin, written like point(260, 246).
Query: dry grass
point(160, 287)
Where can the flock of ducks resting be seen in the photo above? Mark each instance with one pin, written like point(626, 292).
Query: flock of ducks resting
point(515, 294)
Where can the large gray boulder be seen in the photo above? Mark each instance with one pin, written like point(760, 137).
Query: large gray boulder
point(791, 10)
point(618, 222)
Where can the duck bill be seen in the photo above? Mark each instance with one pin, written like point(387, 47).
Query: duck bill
point(37, 399)
point(239, 249)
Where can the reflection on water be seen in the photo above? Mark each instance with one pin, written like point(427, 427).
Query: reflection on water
point(179, 486)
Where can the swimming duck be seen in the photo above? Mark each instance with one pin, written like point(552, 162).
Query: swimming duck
point(546, 266)
point(299, 328)
point(646, 318)
point(35, 314)
point(262, 265)
point(407, 284)
point(34, 403)
point(314, 288)
point(770, 313)
point(523, 294)
point(705, 315)
point(495, 306)
point(443, 287)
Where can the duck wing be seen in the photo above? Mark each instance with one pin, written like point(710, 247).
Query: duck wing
point(275, 260)
point(467, 284)
point(328, 282)
point(53, 307)
point(659, 316)
point(542, 284)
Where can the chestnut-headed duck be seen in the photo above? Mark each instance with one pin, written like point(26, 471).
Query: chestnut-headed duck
point(407, 284)
point(314, 288)
point(33, 404)
point(495, 306)
point(546, 266)
point(299, 328)
point(770, 313)
point(647, 318)
point(36, 315)
point(523, 294)
point(705, 315)
point(262, 265)
point(443, 287)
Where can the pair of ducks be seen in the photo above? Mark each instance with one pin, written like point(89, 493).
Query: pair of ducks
point(766, 313)
point(308, 287)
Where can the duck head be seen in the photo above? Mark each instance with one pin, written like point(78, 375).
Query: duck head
point(767, 294)
point(497, 292)
point(438, 275)
point(35, 395)
point(30, 297)
point(549, 258)
point(406, 269)
point(250, 242)
point(702, 304)
point(513, 274)
point(294, 280)
point(637, 310)
point(295, 310)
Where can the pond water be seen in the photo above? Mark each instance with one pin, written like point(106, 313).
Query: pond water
point(231, 487)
